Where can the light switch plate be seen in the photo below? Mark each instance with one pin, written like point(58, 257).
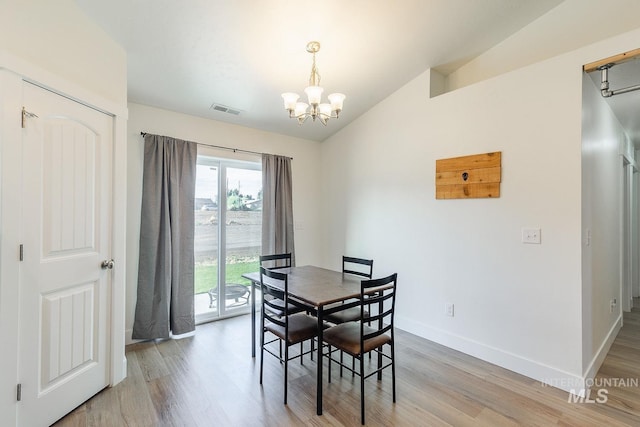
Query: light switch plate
point(448, 309)
point(531, 235)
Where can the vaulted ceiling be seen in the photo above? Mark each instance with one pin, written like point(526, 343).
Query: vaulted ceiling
point(186, 56)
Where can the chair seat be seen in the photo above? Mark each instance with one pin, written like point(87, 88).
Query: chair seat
point(346, 336)
point(301, 328)
point(347, 315)
point(292, 309)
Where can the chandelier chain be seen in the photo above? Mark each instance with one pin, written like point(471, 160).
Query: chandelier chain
point(314, 78)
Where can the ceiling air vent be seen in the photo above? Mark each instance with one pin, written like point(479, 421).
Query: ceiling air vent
point(225, 109)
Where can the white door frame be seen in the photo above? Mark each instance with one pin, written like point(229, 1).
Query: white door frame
point(635, 229)
point(13, 71)
point(628, 219)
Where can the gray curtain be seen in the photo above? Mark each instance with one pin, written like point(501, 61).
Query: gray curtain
point(277, 206)
point(166, 263)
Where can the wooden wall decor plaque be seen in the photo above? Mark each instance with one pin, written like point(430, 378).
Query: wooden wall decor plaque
point(467, 177)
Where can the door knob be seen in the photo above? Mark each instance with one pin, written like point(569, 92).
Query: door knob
point(107, 264)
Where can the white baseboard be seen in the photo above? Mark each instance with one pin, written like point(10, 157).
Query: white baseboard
point(127, 337)
point(602, 352)
point(548, 375)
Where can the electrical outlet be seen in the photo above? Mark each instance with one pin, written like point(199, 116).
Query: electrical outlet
point(448, 309)
point(612, 304)
point(531, 235)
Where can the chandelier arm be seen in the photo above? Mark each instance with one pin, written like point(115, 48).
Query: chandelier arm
point(302, 118)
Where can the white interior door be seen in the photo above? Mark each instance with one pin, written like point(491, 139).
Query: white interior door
point(64, 292)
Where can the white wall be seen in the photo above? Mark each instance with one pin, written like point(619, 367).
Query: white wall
point(58, 37)
point(603, 139)
point(516, 305)
point(305, 167)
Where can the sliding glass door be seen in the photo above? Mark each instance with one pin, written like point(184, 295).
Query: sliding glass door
point(227, 235)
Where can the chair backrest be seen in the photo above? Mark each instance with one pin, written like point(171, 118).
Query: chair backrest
point(275, 288)
point(358, 266)
point(275, 261)
point(378, 292)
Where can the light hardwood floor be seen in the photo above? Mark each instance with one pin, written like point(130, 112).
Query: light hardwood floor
point(211, 380)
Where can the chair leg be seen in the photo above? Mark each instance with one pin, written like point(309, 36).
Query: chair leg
point(362, 388)
point(261, 362)
point(353, 367)
point(369, 323)
point(313, 347)
point(393, 371)
point(261, 347)
point(301, 351)
point(286, 371)
point(329, 368)
point(380, 363)
point(341, 358)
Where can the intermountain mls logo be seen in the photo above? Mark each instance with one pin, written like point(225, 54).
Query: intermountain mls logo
point(584, 396)
point(596, 389)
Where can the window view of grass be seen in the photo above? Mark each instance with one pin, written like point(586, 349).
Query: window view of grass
point(206, 275)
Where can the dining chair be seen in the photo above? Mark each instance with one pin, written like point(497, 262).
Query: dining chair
point(357, 338)
point(288, 328)
point(358, 267)
point(277, 262)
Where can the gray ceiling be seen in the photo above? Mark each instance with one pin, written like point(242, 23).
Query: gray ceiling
point(185, 56)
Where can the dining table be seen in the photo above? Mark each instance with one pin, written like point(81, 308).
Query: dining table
point(319, 288)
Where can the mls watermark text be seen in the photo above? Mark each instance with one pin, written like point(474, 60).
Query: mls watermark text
point(593, 390)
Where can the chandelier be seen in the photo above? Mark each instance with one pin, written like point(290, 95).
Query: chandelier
point(315, 109)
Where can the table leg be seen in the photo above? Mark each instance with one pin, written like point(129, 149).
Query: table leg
point(319, 364)
point(253, 319)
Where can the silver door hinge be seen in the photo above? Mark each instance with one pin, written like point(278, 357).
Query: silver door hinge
point(26, 115)
point(21, 252)
point(19, 392)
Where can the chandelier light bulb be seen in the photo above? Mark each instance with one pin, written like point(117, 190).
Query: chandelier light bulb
point(290, 100)
point(336, 100)
point(325, 109)
point(314, 94)
point(300, 109)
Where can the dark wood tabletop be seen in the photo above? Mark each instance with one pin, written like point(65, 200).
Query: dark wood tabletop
point(316, 286)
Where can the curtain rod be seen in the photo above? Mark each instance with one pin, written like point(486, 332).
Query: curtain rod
point(235, 150)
